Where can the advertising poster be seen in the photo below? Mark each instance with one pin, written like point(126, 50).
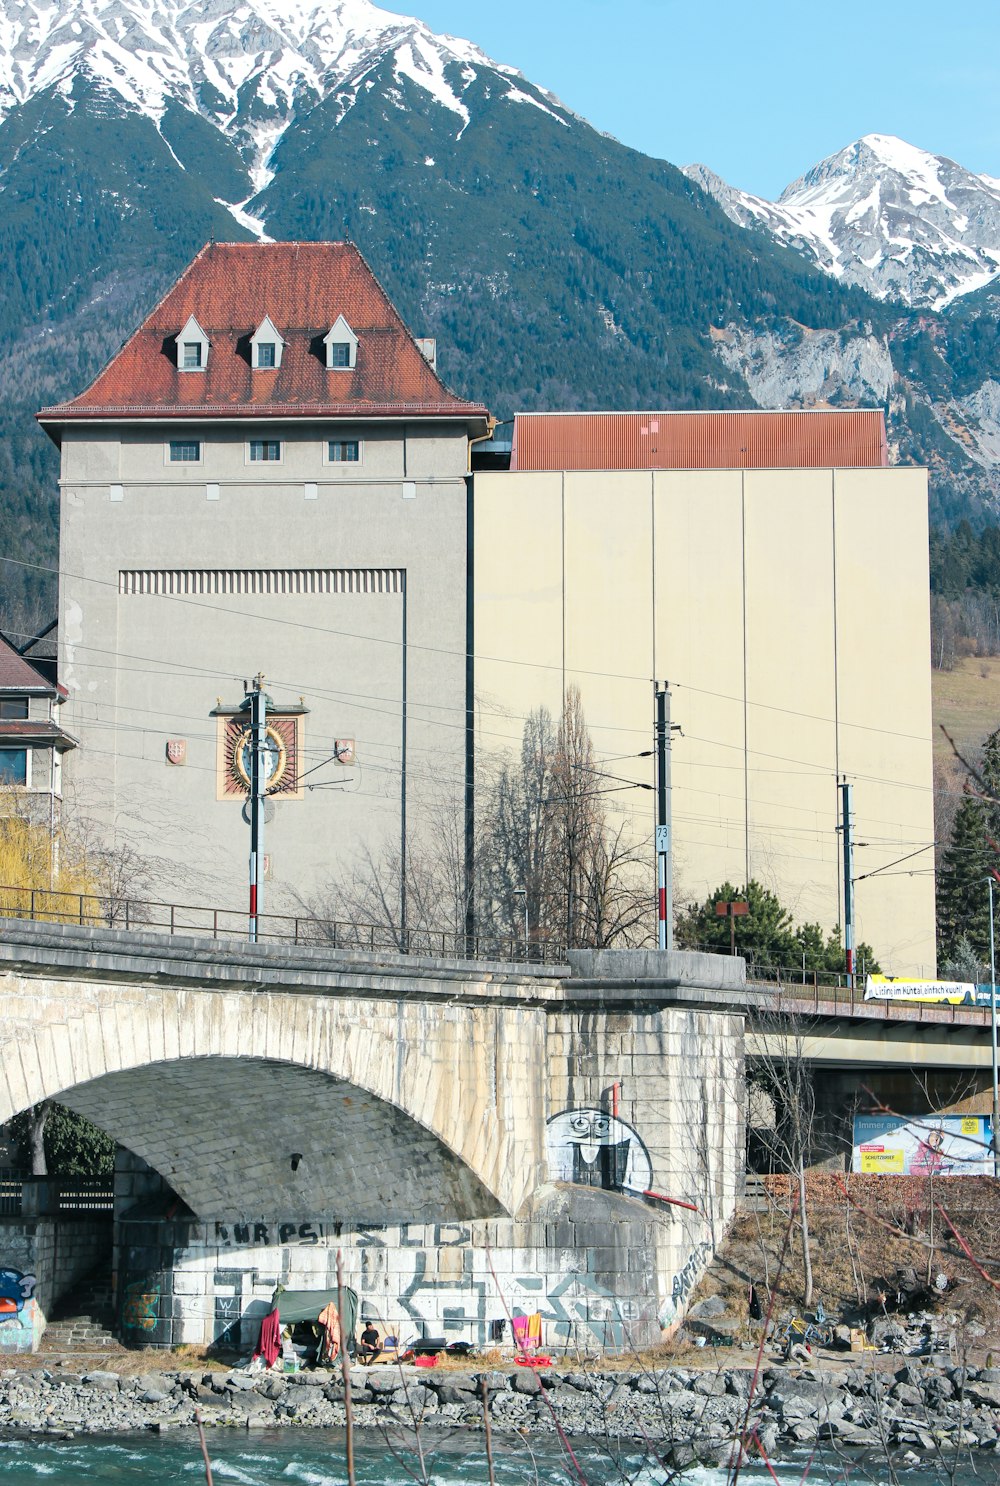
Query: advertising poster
point(918, 1145)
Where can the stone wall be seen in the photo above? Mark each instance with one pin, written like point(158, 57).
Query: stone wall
point(585, 1259)
point(42, 1259)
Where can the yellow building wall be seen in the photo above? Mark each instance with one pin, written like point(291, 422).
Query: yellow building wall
point(789, 612)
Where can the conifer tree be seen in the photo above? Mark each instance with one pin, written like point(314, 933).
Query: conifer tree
point(962, 894)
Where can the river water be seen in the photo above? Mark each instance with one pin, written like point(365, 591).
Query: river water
point(316, 1458)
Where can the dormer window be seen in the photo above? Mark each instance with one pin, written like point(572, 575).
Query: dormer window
point(192, 348)
point(341, 347)
point(266, 346)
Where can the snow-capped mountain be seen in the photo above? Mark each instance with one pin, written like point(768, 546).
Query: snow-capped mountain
point(247, 68)
point(555, 266)
point(899, 222)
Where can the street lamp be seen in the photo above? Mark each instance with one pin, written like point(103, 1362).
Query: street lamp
point(993, 1038)
point(522, 892)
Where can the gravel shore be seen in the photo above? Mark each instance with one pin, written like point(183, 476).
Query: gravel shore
point(911, 1408)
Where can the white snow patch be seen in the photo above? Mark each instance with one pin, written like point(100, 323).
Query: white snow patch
point(239, 214)
point(424, 65)
point(150, 52)
point(517, 95)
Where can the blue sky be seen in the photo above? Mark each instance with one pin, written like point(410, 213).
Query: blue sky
point(758, 90)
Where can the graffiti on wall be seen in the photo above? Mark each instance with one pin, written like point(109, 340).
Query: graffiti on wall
point(263, 1235)
point(16, 1289)
point(18, 1310)
point(684, 1282)
point(141, 1306)
point(595, 1149)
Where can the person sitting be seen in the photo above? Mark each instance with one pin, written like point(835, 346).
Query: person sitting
point(370, 1344)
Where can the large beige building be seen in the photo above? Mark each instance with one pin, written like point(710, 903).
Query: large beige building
point(271, 477)
point(786, 607)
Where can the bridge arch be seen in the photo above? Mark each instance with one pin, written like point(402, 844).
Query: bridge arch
point(220, 1090)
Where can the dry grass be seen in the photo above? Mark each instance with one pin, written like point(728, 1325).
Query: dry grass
point(852, 1251)
point(967, 702)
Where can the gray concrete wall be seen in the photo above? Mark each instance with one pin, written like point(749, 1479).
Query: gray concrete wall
point(142, 668)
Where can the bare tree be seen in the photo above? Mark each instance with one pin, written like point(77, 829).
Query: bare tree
point(547, 834)
point(782, 1071)
point(546, 853)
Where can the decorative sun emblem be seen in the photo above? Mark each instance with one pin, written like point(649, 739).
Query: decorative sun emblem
point(274, 760)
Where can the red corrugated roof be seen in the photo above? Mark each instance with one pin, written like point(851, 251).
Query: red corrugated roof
point(304, 288)
point(37, 733)
point(849, 439)
point(17, 674)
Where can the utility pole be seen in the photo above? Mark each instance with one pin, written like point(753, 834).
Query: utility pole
point(847, 828)
point(256, 701)
point(664, 865)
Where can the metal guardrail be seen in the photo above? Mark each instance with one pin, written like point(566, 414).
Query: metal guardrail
point(67, 1196)
point(800, 989)
point(43, 905)
point(11, 1191)
point(84, 1195)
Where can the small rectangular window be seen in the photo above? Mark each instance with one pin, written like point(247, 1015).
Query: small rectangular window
point(13, 708)
point(13, 766)
point(342, 451)
point(192, 355)
point(266, 450)
point(340, 353)
point(185, 451)
point(266, 354)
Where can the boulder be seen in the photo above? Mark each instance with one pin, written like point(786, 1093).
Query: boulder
point(984, 1393)
point(107, 1382)
point(706, 1309)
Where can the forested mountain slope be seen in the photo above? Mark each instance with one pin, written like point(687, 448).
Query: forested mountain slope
point(556, 267)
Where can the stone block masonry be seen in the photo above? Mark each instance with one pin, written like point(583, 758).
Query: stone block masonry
point(587, 1261)
point(476, 1138)
point(42, 1259)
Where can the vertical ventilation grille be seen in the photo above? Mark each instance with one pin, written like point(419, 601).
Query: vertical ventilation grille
point(170, 581)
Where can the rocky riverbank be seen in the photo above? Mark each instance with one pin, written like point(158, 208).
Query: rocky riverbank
point(909, 1407)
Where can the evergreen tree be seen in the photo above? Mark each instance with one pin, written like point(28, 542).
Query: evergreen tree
point(766, 933)
point(962, 895)
point(991, 788)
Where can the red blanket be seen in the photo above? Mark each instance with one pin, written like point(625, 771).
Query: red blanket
point(269, 1346)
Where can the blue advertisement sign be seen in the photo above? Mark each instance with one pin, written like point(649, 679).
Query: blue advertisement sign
point(923, 1145)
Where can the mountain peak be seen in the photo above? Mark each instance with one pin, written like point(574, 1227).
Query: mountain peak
point(884, 214)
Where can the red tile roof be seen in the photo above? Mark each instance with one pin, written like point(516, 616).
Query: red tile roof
point(17, 674)
point(40, 732)
point(303, 287)
point(822, 439)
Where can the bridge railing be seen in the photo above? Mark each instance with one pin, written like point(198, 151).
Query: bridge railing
point(45, 905)
point(51, 1196)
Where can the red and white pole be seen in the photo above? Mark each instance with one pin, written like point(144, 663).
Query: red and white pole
point(664, 885)
point(258, 787)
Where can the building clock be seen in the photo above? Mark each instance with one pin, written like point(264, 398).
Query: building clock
point(274, 759)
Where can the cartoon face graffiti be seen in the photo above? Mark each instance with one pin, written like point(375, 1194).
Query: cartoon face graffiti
point(15, 1289)
point(594, 1149)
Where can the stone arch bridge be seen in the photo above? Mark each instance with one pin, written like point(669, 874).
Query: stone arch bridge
point(272, 1103)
